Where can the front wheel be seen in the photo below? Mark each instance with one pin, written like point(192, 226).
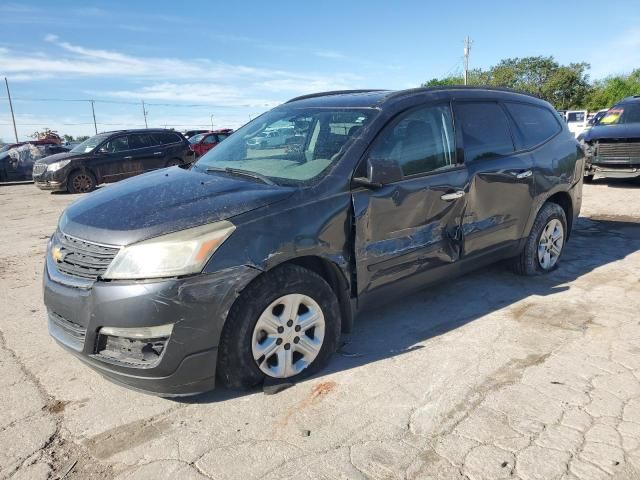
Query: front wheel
point(284, 326)
point(81, 182)
point(545, 242)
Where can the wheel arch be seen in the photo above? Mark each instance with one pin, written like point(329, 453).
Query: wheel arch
point(84, 168)
point(566, 203)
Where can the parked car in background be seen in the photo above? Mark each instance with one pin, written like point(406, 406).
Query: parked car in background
point(111, 156)
point(271, 138)
point(17, 160)
point(250, 264)
point(613, 144)
point(203, 142)
point(577, 121)
point(190, 133)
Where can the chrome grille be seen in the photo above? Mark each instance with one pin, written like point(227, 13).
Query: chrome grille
point(83, 259)
point(619, 150)
point(39, 168)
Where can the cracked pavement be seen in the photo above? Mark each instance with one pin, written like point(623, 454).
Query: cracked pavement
point(489, 376)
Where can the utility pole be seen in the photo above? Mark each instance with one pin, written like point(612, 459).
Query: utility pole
point(211, 118)
point(144, 112)
point(13, 118)
point(467, 49)
point(93, 111)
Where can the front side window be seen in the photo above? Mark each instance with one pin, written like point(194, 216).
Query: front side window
point(118, 144)
point(485, 130)
point(420, 141)
point(209, 139)
point(289, 145)
point(534, 125)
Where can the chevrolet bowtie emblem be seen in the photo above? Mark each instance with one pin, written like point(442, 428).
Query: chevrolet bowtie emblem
point(56, 254)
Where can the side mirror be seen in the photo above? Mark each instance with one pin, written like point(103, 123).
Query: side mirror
point(380, 171)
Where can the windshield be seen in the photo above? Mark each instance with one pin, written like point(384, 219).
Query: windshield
point(89, 144)
point(5, 148)
point(622, 114)
point(288, 146)
point(196, 138)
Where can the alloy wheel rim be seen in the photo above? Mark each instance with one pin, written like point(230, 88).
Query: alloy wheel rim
point(82, 183)
point(550, 244)
point(288, 336)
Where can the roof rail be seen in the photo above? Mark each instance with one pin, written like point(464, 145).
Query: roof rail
point(333, 92)
point(411, 91)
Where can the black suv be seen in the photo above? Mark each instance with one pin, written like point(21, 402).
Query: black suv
point(110, 157)
point(251, 264)
point(613, 143)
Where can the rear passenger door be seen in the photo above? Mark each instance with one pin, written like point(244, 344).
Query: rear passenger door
point(501, 194)
point(145, 152)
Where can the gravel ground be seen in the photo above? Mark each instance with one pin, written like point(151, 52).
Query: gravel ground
point(488, 376)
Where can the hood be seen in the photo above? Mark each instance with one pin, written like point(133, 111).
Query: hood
point(59, 156)
point(612, 132)
point(162, 202)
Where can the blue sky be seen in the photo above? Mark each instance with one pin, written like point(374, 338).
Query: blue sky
point(233, 60)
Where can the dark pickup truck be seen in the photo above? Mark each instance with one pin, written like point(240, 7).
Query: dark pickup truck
point(613, 144)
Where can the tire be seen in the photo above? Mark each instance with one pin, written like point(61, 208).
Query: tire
point(237, 366)
point(174, 162)
point(81, 181)
point(551, 216)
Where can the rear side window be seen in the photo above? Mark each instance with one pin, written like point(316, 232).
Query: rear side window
point(141, 141)
point(534, 125)
point(209, 139)
point(165, 138)
point(485, 130)
point(421, 141)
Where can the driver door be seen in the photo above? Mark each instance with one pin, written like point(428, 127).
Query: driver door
point(411, 227)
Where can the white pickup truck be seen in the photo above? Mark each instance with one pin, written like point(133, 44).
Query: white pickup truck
point(577, 121)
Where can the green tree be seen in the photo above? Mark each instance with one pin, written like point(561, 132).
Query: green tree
point(607, 92)
point(68, 138)
point(565, 86)
point(82, 138)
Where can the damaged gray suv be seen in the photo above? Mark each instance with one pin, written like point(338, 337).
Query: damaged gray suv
point(251, 264)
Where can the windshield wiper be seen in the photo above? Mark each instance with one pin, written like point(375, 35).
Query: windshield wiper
point(244, 173)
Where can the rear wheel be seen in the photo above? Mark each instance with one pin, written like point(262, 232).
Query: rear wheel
point(284, 326)
point(545, 242)
point(81, 182)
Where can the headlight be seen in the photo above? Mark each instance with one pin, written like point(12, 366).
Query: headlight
point(179, 253)
point(52, 167)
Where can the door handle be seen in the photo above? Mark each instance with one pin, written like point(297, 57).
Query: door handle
point(447, 197)
point(157, 153)
point(525, 174)
point(129, 157)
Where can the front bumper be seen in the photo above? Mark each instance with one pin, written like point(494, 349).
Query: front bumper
point(196, 307)
point(51, 185)
point(54, 181)
point(616, 167)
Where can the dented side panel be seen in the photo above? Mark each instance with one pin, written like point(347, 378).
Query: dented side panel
point(406, 228)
